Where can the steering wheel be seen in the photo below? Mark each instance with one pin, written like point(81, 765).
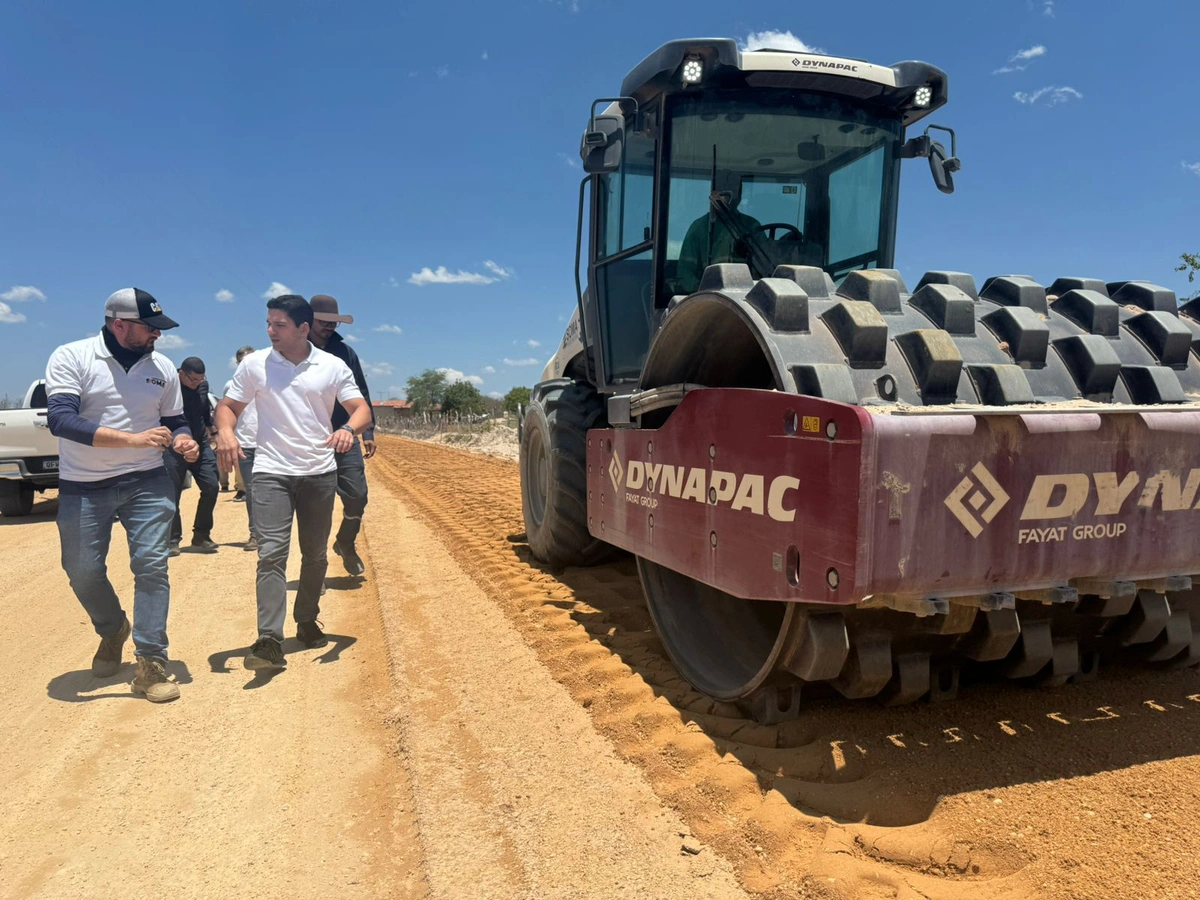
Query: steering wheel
point(790, 230)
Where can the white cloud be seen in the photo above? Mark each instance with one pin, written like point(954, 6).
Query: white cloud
point(223, 296)
point(1194, 168)
point(489, 370)
point(1019, 61)
point(22, 293)
point(442, 275)
point(485, 56)
point(777, 40)
point(350, 338)
point(171, 342)
point(8, 317)
point(453, 375)
point(377, 369)
point(496, 395)
point(413, 74)
point(442, 71)
point(233, 363)
point(395, 390)
point(532, 343)
point(530, 361)
point(390, 329)
point(1048, 96)
point(1048, 8)
point(277, 289)
point(571, 159)
point(393, 282)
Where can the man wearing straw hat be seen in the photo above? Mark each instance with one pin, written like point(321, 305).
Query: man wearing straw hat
point(352, 474)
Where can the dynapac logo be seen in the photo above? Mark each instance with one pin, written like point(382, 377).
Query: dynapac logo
point(645, 483)
point(1066, 496)
point(981, 491)
point(821, 64)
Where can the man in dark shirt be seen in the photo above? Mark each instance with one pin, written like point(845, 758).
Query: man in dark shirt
point(198, 412)
point(351, 472)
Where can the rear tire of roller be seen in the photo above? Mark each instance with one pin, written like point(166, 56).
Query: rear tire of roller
point(554, 473)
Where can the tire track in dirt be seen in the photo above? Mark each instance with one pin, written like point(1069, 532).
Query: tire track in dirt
point(1008, 792)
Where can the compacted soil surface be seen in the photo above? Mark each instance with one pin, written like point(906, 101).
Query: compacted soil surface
point(481, 726)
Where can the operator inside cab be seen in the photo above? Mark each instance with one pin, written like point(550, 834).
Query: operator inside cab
point(725, 234)
point(721, 235)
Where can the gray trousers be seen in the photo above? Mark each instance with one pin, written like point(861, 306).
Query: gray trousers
point(246, 468)
point(277, 500)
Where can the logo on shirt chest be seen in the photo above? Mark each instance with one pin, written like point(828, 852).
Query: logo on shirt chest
point(158, 381)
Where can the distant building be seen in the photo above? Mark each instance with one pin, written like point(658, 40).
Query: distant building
point(390, 413)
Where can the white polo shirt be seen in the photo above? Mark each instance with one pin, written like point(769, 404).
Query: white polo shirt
point(247, 424)
point(132, 402)
point(295, 403)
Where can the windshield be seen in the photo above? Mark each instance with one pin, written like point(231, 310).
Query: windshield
point(777, 178)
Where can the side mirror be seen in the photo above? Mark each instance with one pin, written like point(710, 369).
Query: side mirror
point(602, 144)
point(942, 167)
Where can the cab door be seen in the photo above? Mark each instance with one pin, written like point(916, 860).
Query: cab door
point(621, 264)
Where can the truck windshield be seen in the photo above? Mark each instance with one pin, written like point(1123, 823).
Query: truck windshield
point(777, 178)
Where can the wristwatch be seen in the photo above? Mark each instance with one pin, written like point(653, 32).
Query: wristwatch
point(347, 428)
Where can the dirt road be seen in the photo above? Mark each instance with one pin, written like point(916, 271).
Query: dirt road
point(483, 728)
point(424, 753)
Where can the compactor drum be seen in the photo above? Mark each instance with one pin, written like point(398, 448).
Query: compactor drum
point(829, 479)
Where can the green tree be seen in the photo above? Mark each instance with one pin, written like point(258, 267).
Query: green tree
point(518, 395)
point(1190, 263)
point(427, 390)
point(462, 397)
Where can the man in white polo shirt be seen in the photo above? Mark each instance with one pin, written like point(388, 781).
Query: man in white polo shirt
point(294, 387)
point(115, 406)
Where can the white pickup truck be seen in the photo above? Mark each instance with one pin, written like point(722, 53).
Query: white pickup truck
point(28, 453)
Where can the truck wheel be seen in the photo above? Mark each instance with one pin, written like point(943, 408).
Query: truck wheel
point(554, 473)
point(16, 498)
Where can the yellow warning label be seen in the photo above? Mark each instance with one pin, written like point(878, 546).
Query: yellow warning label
point(811, 423)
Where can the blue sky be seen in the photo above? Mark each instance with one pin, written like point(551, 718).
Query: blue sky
point(206, 152)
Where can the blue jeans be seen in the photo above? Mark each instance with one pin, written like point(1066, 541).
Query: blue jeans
point(246, 467)
point(145, 503)
point(352, 488)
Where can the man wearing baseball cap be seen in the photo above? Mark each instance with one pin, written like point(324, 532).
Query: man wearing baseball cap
point(115, 407)
point(351, 473)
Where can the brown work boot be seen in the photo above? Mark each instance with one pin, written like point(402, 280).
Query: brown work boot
point(107, 660)
point(151, 680)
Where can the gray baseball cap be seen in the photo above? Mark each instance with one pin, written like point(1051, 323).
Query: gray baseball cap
point(133, 303)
